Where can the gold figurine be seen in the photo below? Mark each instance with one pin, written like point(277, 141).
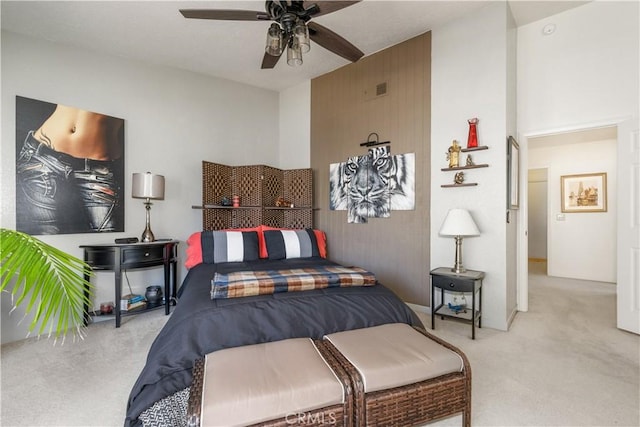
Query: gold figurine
point(459, 178)
point(469, 160)
point(453, 155)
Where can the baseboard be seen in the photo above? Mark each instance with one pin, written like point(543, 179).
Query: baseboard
point(511, 317)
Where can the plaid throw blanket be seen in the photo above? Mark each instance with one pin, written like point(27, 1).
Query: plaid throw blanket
point(250, 283)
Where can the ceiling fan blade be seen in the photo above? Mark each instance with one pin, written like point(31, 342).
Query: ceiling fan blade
point(329, 6)
point(269, 61)
point(333, 42)
point(225, 14)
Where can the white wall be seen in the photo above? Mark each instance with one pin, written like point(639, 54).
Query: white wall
point(587, 71)
point(582, 245)
point(295, 127)
point(173, 120)
point(472, 77)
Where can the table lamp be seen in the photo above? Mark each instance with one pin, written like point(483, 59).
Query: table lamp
point(459, 224)
point(147, 186)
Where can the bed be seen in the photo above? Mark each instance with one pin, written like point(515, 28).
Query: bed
point(201, 325)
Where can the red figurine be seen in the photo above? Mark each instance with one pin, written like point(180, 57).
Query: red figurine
point(472, 142)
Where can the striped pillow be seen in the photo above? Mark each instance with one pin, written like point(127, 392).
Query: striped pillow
point(229, 246)
point(291, 243)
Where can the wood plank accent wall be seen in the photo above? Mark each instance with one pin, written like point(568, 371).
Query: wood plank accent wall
point(344, 111)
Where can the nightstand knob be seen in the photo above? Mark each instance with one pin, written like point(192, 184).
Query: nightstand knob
point(146, 254)
point(451, 285)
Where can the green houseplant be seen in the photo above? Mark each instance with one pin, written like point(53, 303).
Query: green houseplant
point(49, 281)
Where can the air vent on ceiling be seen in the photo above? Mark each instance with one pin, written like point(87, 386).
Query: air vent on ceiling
point(381, 89)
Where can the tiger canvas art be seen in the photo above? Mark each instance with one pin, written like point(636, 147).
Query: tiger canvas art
point(373, 185)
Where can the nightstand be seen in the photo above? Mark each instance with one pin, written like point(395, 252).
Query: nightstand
point(468, 282)
point(130, 256)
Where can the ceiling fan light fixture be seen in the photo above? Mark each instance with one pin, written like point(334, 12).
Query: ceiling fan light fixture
point(291, 28)
point(301, 33)
point(294, 53)
point(274, 40)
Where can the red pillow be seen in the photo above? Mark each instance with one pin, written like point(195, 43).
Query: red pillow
point(194, 250)
point(321, 237)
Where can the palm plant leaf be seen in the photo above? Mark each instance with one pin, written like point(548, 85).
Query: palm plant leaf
point(49, 281)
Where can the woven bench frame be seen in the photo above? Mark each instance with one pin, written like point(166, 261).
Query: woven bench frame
point(412, 404)
point(343, 414)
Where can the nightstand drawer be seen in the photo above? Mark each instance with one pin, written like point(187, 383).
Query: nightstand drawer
point(100, 257)
point(137, 255)
point(453, 284)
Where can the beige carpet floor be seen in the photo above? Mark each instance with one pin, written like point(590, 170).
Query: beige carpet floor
point(563, 363)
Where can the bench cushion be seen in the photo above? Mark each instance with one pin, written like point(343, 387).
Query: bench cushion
point(394, 355)
point(256, 383)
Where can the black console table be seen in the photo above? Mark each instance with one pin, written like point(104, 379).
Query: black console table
point(129, 256)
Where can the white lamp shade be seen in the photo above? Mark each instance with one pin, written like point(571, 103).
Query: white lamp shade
point(147, 186)
point(459, 223)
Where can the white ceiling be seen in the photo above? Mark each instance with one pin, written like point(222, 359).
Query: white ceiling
point(154, 31)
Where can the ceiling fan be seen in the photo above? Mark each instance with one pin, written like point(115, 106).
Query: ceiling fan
point(291, 28)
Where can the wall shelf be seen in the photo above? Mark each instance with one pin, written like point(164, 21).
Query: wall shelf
point(465, 167)
point(469, 184)
point(223, 207)
point(295, 208)
point(277, 208)
point(478, 148)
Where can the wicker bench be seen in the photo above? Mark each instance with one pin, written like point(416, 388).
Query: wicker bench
point(281, 383)
point(402, 376)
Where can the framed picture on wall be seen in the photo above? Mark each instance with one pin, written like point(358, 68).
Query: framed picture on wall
point(513, 173)
point(69, 169)
point(584, 193)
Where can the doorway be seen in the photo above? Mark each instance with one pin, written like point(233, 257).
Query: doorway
point(578, 245)
point(538, 214)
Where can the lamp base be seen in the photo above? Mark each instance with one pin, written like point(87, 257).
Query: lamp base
point(457, 267)
point(147, 234)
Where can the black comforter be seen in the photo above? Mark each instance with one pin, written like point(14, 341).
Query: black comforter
point(200, 325)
